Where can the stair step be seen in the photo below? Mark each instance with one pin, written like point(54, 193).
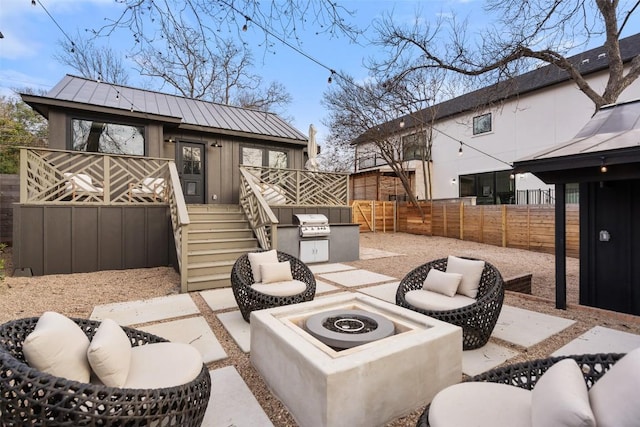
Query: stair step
point(214, 208)
point(217, 254)
point(209, 282)
point(216, 216)
point(206, 244)
point(225, 233)
point(199, 269)
point(217, 224)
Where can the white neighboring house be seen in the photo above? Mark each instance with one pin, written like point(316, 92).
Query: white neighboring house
point(541, 109)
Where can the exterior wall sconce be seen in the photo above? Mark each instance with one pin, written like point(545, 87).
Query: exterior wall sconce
point(603, 166)
point(216, 144)
point(453, 181)
point(171, 140)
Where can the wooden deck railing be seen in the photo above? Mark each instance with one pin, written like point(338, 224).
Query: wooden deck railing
point(301, 187)
point(53, 176)
point(260, 216)
point(179, 222)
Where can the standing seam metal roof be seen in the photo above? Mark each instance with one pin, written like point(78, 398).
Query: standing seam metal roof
point(190, 111)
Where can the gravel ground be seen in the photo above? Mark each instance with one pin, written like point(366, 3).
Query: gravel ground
point(76, 294)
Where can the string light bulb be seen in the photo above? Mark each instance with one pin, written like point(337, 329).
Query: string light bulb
point(33, 2)
point(401, 123)
point(132, 108)
point(330, 79)
point(245, 27)
point(117, 94)
point(460, 149)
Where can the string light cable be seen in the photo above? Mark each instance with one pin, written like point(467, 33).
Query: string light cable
point(281, 39)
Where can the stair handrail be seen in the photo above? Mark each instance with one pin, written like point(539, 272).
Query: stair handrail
point(262, 219)
point(179, 222)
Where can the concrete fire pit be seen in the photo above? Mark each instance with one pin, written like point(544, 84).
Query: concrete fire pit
point(366, 385)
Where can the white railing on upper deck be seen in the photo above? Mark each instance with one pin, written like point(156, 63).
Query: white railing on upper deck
point(301, 187)
point(57, 176)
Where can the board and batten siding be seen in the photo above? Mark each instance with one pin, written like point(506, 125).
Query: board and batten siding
point(76, 239)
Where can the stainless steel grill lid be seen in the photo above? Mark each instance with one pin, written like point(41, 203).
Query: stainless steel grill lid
point(312, 225)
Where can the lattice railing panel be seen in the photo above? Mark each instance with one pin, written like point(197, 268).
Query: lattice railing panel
point(297, 187)
point(55, 176)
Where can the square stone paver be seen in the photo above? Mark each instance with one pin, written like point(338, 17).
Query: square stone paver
point(371, 253)
point(328, 268)
point(219, 299)
point(239, 330)
point(385, 292)
point(527, 328)
point(600, 340)
point(231, 403)
point(194, 331)
point(145, 311)
point(482, 359)
point(356, 277)
point(323, 287)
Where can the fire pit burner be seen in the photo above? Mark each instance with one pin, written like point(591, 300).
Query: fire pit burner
point(342, 329)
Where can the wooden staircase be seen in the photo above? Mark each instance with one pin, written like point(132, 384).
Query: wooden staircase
point(218, 235)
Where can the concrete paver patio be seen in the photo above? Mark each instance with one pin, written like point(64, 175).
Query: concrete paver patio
point(177, 318)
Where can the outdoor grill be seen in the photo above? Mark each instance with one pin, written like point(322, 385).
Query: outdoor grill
point(312, 225)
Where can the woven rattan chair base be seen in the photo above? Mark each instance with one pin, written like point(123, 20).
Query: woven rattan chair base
point(526, 374)
point(477, 320)
point(248, 299)
point(29, 397)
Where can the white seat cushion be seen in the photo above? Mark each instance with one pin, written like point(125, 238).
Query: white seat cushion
point(257, 258)
point(560, 398)
point(58, 346)
point(481, 404)
point(441, 282)
point(281, 289)
point(428, 300)
point(471, 271)
point(614, 397)
point(109, 354)
point(165, 364)
point(276, 272)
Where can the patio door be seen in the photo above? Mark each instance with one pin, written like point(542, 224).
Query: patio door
point(191, 167)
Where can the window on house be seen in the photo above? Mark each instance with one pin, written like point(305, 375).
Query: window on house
point(482, 124)
point(252, 156)
point(110, 138)
point(489, 188)
point(414, 147)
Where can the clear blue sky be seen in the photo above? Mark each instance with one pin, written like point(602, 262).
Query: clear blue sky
point(31, 38)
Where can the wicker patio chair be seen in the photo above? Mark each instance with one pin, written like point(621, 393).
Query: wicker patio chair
point(31, 397)
point(249, 299)
point(478, 319)
point(526, 374)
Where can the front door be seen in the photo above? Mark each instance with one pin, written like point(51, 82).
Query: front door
point(191, 168)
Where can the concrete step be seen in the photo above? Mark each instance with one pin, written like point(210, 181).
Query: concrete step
point(228, 233)
point(217, 255)
point(198, 269)
point(209, 244)
point(213, 281)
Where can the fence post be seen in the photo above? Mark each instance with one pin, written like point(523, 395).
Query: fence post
point(504, 226)
point(461, 220)
point(373, 215)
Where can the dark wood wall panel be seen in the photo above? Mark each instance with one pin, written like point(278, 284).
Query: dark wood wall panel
point(111, 238)
point(70, 239)
point(135, 238)
point(84, 235)
point(57, 241)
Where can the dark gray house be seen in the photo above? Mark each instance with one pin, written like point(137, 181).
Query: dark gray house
point(134, 178)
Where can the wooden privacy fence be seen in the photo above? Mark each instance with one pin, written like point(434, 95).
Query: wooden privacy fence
point(530, 227)
point(374, 215)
